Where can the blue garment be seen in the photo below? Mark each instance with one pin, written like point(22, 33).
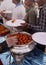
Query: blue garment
point(18, 4)
point(36, 57)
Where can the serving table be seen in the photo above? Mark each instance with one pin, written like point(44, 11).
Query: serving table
point(34, 57)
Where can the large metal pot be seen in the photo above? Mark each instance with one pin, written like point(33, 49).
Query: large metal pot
point(20, 49)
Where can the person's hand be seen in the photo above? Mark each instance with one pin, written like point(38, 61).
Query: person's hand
point(23, 26)
point(2, 13)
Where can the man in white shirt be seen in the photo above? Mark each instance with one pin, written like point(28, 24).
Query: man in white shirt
point(7, 5)
point(18, 12)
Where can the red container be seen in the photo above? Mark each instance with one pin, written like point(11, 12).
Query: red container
point(1, 62)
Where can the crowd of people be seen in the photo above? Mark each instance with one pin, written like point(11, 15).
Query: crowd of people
point(33, 12)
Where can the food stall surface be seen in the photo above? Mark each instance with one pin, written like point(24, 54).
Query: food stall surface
point(35, 57)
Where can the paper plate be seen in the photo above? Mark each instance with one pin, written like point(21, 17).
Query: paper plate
point(15, 24)
point(39, 37)
point(2, 39)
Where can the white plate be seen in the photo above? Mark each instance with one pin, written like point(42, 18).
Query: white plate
point(16, 23)
point(2, 39)
point(39, 37)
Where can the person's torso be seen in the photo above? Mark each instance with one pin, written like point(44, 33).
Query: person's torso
point(19, 12)
point(32, 16)
point(42, 16)
point(7, 5)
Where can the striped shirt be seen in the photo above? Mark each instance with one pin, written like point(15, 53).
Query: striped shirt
point(41, 23)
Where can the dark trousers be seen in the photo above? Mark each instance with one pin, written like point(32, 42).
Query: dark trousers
point(1, 20)
point(3, 47)
point(41, 47)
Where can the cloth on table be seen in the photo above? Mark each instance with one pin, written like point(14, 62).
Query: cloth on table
point(35, 57)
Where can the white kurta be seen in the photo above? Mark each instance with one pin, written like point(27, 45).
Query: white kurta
point(7, 5)
point(19, 12)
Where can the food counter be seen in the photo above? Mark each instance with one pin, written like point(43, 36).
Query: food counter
point(36, 57)
point(33, 57)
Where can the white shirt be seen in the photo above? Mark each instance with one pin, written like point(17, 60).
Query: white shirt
point(19, 12)
point(7, 5)
point(0, 3)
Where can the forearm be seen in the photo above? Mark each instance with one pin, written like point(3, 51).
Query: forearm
point(36, 27)
point(6, 17)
